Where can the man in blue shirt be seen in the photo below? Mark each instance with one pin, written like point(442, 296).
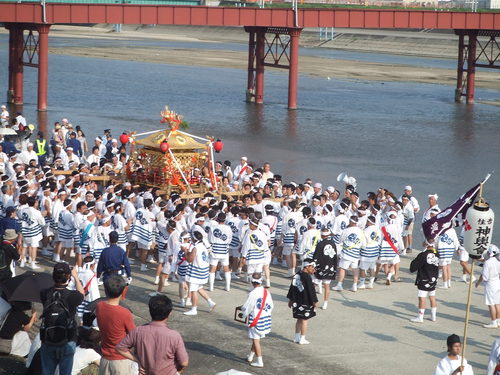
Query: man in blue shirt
point(8, 146)
point(75, 144)
point(113, 260)
point(10, 222)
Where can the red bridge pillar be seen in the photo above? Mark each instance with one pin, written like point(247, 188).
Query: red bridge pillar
point(471, 68)
point(483, 52)
point(259, 66)
point(43, 66)
point(293, 71)
point(16, 58)
point(251, 61)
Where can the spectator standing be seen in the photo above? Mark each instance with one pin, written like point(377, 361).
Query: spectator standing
point(158, 349)
point(8, 253)
point(58, 344)
point(114, 322)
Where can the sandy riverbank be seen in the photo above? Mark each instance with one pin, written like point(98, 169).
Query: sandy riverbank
point(381, 41)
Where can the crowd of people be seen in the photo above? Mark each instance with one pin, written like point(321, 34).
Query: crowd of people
point(318, 233)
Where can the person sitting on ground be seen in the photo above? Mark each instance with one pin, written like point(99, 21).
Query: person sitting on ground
point(87, 350)
point(158, 349)
point(14, 338)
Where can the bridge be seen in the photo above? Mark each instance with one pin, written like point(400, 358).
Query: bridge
point(274, 35)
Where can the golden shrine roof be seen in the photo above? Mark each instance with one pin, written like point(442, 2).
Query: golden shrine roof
point(176, 140)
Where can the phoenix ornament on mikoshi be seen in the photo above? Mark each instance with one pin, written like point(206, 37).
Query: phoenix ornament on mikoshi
point(170, 117)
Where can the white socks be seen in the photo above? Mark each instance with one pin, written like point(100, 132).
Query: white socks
point(433, 313)
point(227, 276)
point(211, 281)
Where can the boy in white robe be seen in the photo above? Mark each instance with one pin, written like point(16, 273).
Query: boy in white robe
point(452, 363)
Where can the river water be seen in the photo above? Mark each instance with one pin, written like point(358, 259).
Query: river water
point(386, 134)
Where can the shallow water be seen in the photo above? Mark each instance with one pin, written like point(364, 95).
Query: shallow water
point(385, 134)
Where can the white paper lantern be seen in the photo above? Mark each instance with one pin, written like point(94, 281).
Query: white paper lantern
point(478, 228)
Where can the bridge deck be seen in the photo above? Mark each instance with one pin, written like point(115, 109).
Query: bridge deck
point(229, 16)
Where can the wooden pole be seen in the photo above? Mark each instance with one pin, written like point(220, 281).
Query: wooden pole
point(467, 311)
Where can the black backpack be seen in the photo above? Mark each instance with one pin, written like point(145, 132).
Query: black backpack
point(57, 322)
point(3, 258)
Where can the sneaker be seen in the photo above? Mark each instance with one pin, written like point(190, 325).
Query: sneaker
point(211, 306)
point(354, 288)
point(361, 286)
point(182, 303)
point(191, 312)
point(433, 318)
point(22, 263)
point(370, 285)
point(325, 305)
point(157, 280)
point(154, 294)
point(338, 288)
point(418, 319)
point(408, 251)
point(151, 260)
point(296, 339)
point(143, 268)
point(443, 286)
point(491, 325)
point(33, 266)
point(304, 342)
point(257, 364)
point(250, 357)
point(473, 278)
point(166, 283)
point(234, 277)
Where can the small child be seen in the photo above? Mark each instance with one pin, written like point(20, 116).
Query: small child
point(88, 279)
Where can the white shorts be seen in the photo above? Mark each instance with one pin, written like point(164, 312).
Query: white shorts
point(444, 262)
point(394, 260)
point(287, 249)
point(409, 231)
point(143, 246)
point(492, 295)
point(195, 287)
point(162, 257)
point(167, 268)
point(254, 334)
point(235, 252)
point(463, 256)
point(346, 264)
point(181, 279)
point(251, 268)
point(426, 293)
point(223, 261)
point(69, 244)
point(366, 265)
point(30, 241)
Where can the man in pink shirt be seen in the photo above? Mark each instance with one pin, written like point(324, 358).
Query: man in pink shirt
point(157, 348)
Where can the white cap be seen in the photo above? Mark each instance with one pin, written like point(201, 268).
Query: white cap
point(114, 140)
point(330, 189)
point(64, 120)
point(244, 158)
point(69, 148)
point(318, 185)
point(98, 139)
point(435, 196)
point(3, 106)
point(408, 187)
point(30, 144)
